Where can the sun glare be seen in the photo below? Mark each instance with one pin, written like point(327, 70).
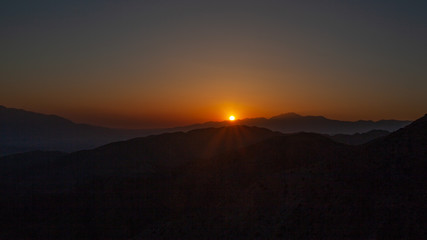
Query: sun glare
point(231, 118)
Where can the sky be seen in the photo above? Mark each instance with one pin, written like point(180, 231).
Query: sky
point(158, 63)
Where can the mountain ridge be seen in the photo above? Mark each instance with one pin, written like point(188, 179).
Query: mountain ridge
point(27, 131)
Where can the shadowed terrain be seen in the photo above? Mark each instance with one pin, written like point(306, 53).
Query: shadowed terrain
point(233, 182)
point(359, 138)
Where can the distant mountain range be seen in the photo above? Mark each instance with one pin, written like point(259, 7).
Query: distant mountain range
point(234, 182)
point(27, 131)
point(359, 138)
point(22, 131)
point(292, 122)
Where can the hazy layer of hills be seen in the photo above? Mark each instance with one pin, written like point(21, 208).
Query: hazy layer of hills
point(359, 138)
point(234, 182)
point(23, 131)
point(292, 123)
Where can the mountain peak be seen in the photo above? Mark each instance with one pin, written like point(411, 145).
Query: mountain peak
point(422, 119)
point(287, 116)
point(420, 124)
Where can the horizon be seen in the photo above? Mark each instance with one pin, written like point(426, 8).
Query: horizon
point(234, 122)
point(159, 64)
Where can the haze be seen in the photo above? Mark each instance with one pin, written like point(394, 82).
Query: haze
point(168, 63)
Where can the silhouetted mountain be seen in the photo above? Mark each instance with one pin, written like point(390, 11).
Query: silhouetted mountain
point(292, 123)
point(289, 115)
point(233, 182)
point(359, 138)
point(149, 162)
point(23, 131)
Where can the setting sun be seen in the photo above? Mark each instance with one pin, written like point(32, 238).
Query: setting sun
point(231, 118)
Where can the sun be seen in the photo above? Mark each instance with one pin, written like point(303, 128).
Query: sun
point(231, 118)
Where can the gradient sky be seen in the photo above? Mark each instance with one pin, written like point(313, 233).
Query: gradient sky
point(166, 63)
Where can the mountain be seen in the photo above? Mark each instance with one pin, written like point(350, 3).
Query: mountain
point(359, 138)
point(290, 115)
point(23, 131)
point(234, 182)
point(141, 155)
point(141, 170)
point(292, 123)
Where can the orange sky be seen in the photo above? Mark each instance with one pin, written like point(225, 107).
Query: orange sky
point(168, 63)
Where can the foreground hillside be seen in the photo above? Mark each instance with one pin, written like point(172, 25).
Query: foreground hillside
point(232, 182)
